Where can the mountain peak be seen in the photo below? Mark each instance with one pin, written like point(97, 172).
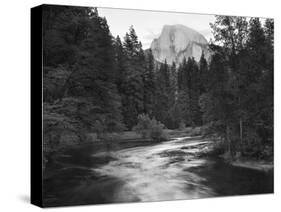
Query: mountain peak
point(179, 41)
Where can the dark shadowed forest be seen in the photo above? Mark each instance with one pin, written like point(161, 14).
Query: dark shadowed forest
point(98, 87)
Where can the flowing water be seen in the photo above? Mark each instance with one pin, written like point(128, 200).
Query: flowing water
point(169, 170)
point(156, 173)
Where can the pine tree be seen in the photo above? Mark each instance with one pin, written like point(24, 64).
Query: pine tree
point(120, 64)
point(203, 74)
point(189, 82)
point(173, 85)
point(181, 75)
point(135, 67)
point(162, 93)
point(260, 83)
point(172, 98)
point(149, 84)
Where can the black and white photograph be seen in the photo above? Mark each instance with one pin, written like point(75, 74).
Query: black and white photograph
point(145, 106)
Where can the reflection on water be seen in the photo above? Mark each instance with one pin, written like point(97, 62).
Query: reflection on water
point(166, 171)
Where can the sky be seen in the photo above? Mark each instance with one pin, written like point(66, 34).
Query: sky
point(148, 24)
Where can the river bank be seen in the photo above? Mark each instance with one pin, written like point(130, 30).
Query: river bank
point(210, 150)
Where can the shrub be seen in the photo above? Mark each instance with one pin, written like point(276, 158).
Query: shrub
point(182, 125)
point(157, 133)
point(150, 128)
point(143, 126)
point(60, 131)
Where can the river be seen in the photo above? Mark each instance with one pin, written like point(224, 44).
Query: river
point(170, 170)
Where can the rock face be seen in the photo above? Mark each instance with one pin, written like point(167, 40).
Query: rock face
point(177, 42)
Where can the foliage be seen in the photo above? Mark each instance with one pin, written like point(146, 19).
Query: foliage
point(59, 130)
point(132, 62)
point(189, 88)
point(239, 91)
point(150, 128)
point(80, 91)
point(149, 83)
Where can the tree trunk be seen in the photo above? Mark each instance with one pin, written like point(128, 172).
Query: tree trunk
point(228, 139)
point(240, 126)
point(241, 135)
